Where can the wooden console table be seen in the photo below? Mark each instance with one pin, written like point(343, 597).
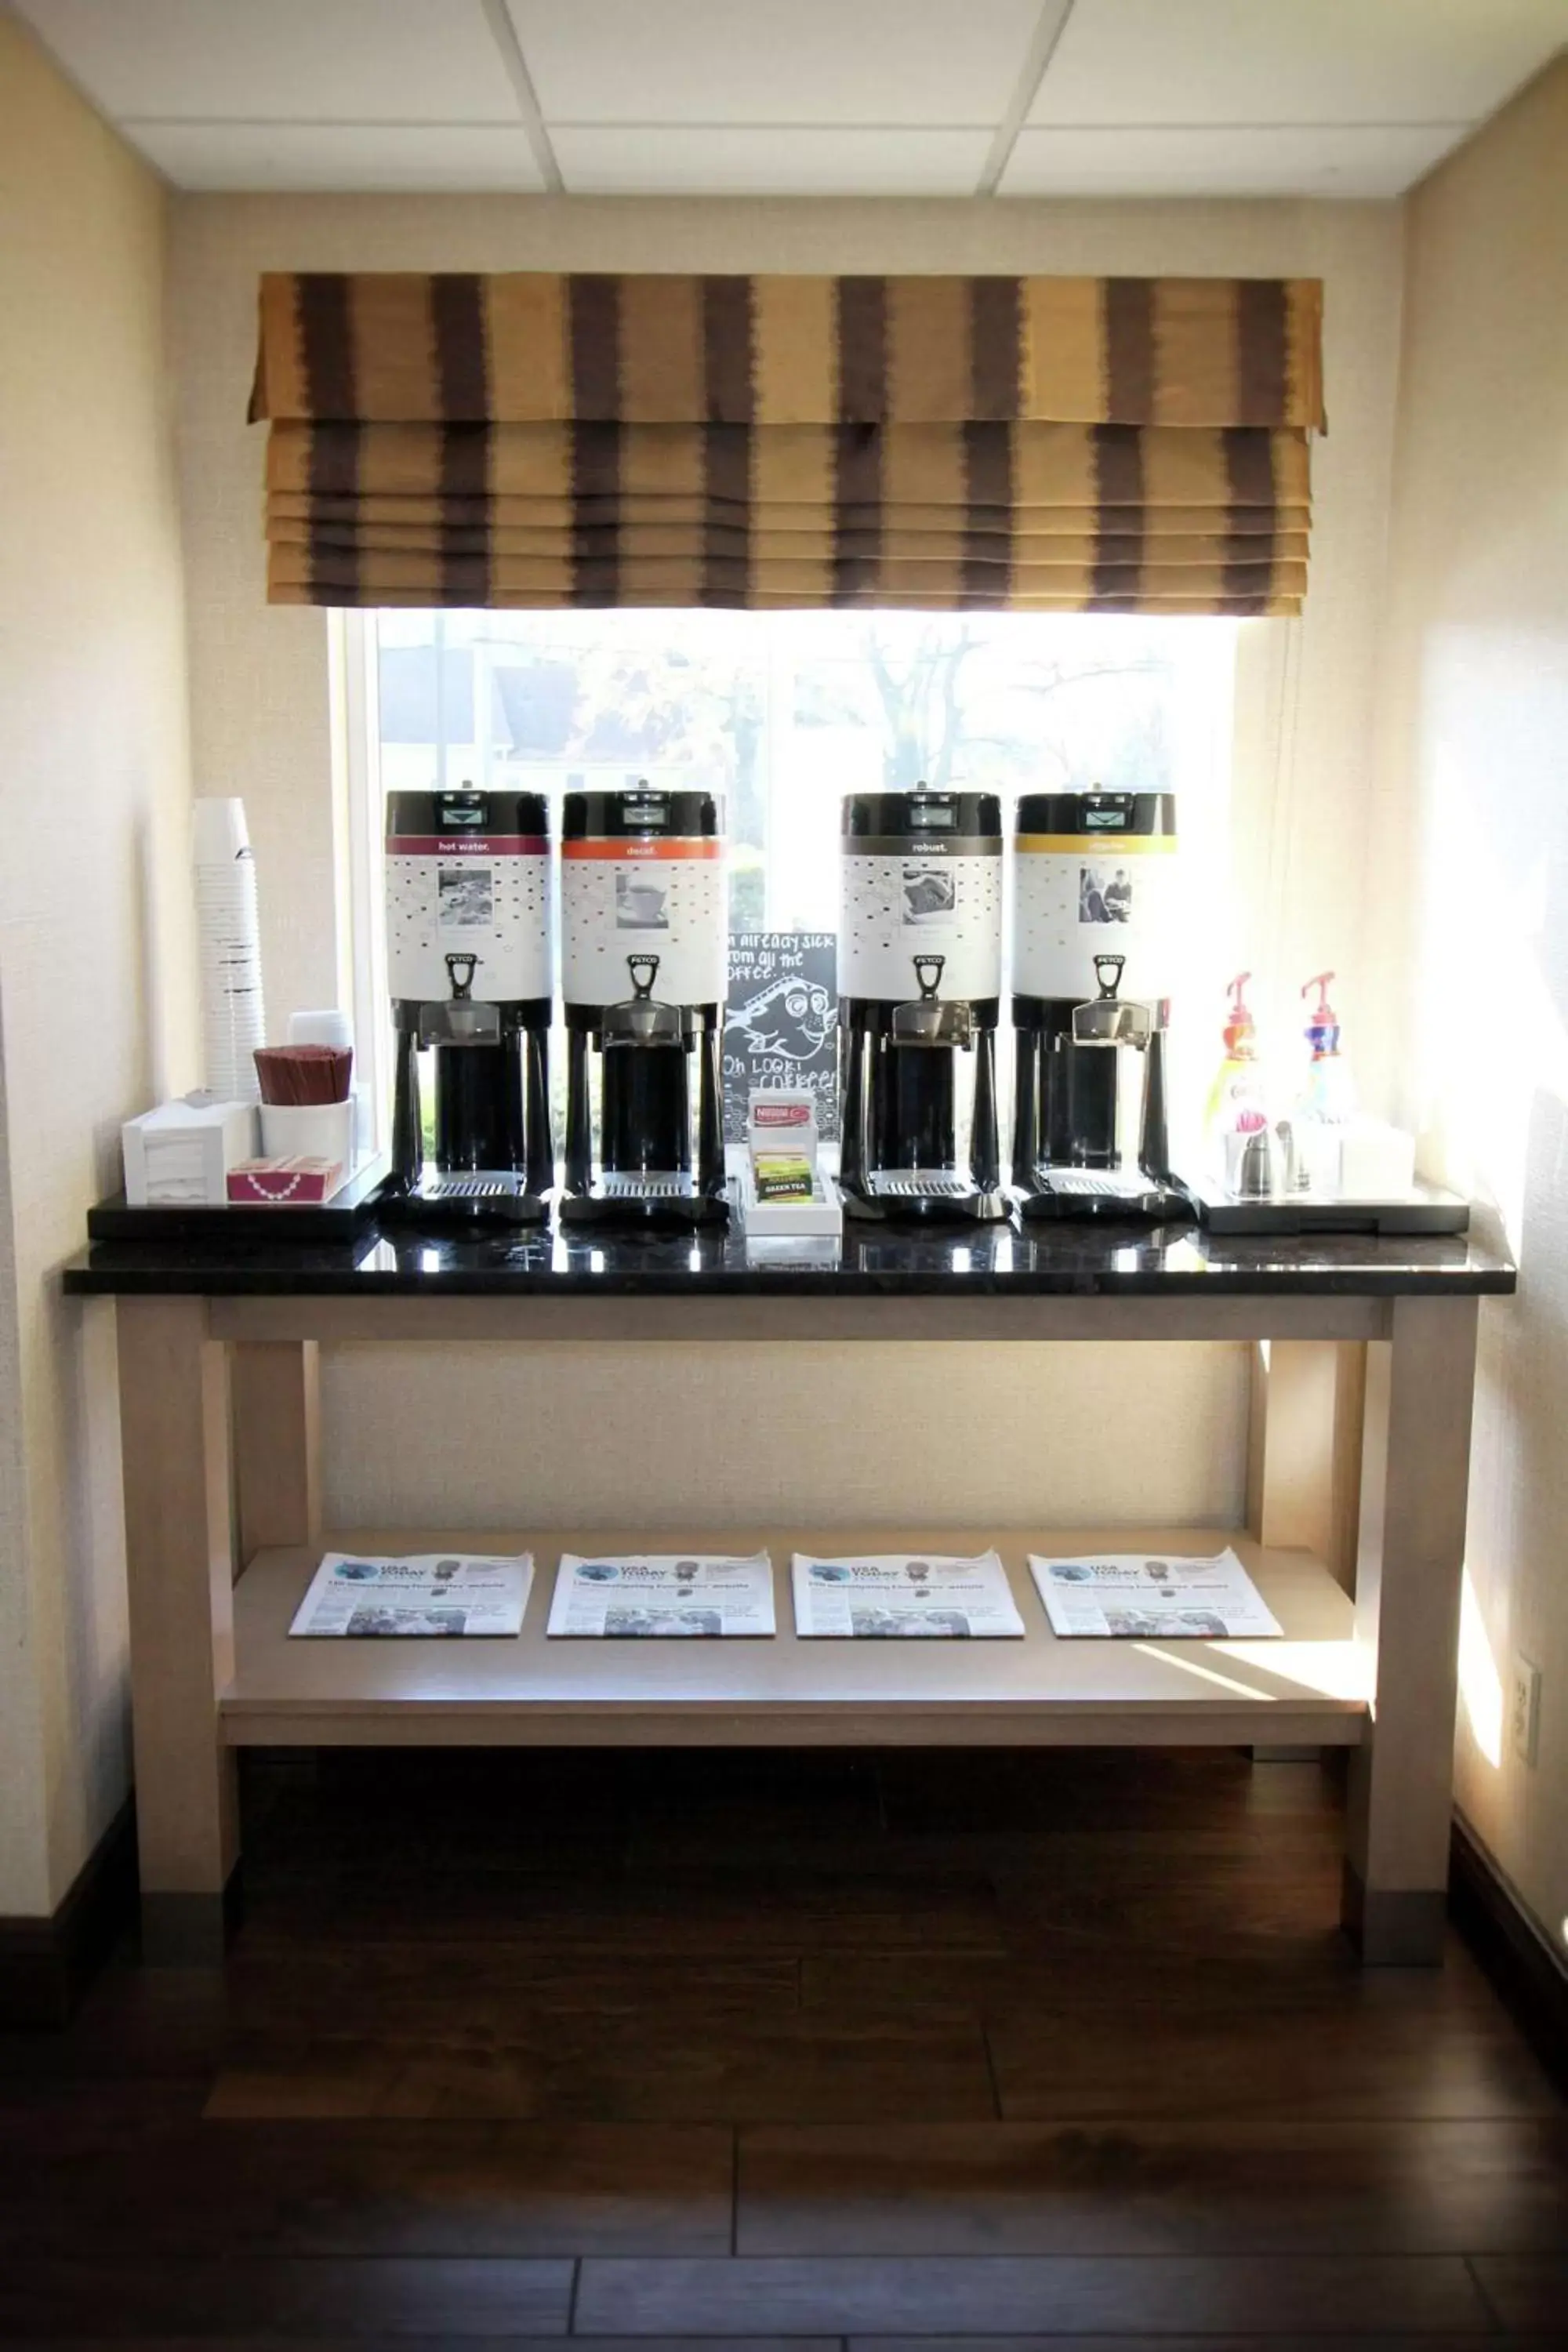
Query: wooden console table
point(1356, 1509)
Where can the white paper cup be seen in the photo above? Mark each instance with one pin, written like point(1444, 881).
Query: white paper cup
point(308, 1131)
point(328, 1028)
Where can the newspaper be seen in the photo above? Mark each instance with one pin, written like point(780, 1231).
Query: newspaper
point(1132, 1595)
point(663, 1596)
point(905, 1596)
point(442, 1593)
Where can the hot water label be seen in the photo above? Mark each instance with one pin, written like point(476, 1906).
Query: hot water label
point(485, 895)
point(622, 898)
point(927, 900)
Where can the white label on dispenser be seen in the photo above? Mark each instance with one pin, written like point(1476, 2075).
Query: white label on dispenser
point(625, 898)
point(1075, 899)
point(470, 895)
point(919, 904)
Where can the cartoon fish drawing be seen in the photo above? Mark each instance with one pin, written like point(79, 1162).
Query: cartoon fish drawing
point(792, 1016)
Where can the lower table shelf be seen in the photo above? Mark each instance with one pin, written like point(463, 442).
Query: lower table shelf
point(1309, 1689)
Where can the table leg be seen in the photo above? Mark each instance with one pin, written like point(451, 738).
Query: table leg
point(276, 1440)
point(179, 1550)
point(1303, 1471)
point(1414, 1487)
point(1303, 1477)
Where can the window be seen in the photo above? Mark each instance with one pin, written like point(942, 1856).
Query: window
point(783, 713)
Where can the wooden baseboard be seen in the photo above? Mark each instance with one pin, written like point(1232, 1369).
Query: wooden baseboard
point(1532, 1976)
point(192, 1931)
point(46, 1964)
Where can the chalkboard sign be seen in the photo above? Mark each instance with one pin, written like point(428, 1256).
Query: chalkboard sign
point(781, 1028)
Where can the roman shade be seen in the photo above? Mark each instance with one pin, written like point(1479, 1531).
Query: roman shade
point(1050, 443)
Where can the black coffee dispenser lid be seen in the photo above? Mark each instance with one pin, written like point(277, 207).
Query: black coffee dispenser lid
point(1098, 811)
point(971, 821)
point(504, 815)
point(642, 813)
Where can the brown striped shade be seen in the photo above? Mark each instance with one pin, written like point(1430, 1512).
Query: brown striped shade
point(1052, 443)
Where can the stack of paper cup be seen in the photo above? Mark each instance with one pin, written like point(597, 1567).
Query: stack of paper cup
point(230, 940)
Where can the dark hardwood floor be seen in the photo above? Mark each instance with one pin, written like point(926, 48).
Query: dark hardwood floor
point(930, 2050)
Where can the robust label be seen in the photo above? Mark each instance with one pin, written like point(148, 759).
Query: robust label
point(923, 903)
point(624, 899)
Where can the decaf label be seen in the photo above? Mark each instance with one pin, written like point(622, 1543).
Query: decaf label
point(781, 1028)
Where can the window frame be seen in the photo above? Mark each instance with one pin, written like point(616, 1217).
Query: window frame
point(352, 643)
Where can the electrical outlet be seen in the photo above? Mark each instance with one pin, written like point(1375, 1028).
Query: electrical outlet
point(1524, 1709)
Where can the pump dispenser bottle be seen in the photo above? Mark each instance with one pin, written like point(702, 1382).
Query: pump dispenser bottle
point(1236, 1124)
point(1326, 1103)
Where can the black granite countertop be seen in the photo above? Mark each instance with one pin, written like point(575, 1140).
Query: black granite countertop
point(1062, 1260)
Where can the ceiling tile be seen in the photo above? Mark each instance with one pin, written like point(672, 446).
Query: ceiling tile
point(596, 161)
point(1299, 62)
point(1236, 161)
point(352, 158)
point(788, 61)
point(282, 60)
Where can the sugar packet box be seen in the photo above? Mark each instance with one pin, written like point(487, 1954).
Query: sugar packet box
point(301, 1180)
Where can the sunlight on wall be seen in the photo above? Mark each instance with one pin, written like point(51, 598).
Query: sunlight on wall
point(1494, 1041)
point(1480, 1684)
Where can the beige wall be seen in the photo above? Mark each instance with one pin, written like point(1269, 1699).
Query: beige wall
point(965, 1433)
point(1474, 804)
point(94, 930)
point(1040, 1429)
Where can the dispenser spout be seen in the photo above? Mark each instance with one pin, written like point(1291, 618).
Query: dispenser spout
point(1240, 1030)
point(1110, 1019)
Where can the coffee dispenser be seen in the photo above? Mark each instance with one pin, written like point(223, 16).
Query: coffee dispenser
point(467, 950)
point(1093, 934)
point(919, 982)
point(644, 971)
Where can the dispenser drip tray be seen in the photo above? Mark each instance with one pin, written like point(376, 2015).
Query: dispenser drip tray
point(668, 1197)
point(468, 1188)
point(463, 1196)
point(646, 1184)
point(923, 1195)
point(1084, 1184)
point(1107, 1193)
point(918, 1185)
